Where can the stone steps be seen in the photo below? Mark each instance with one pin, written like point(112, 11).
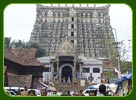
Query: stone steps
point(69, 86)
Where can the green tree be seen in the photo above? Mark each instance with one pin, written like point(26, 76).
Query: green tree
point(7, 42)
point(39, 51)
point(125, 66)
point(14, 44)
point(110, 74)
point(18, 44)
point(21, 44)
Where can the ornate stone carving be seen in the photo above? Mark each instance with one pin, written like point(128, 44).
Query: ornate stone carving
point(66, 49)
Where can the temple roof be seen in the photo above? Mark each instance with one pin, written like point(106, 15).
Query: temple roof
point(105, 7)
point(25, 57)
point(86, 60)
point(46, 59)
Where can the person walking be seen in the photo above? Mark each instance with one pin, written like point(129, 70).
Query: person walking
point(102, 90)
point(24, 92)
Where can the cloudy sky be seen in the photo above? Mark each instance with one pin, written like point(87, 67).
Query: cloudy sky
point(20, 18)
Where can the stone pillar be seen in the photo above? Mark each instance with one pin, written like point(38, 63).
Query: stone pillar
point(52, 70)
point(80, 65)
point(57, 70)
point(74, 72)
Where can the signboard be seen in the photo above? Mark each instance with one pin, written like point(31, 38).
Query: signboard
point(82, 82)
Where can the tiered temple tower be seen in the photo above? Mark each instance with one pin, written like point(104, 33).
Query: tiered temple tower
point(88, 28)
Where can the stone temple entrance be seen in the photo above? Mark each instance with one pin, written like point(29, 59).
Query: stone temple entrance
point(66, 71)
point(66, 62)
point(66, 75)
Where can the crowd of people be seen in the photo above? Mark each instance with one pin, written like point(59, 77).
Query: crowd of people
point(101, 90)
point(43, 92)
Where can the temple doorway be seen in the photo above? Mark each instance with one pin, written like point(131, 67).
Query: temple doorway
point(66, 74)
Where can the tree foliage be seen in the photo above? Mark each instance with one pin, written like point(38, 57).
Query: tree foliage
point(39, 52)
point(7, 42)
point(21, 44)
point(110, 74)
point(18, 44)
point(125, 66)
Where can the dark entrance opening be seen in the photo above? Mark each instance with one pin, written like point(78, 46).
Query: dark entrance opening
point(66, 74)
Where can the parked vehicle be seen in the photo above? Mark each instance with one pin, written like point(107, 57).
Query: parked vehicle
point(11, 93)
point(15, 89)
point(86, 92)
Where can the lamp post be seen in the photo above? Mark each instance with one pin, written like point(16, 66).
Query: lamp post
point(49, 74)
point(118, 55)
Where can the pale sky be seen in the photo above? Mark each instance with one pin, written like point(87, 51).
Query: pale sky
point(20, 18)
